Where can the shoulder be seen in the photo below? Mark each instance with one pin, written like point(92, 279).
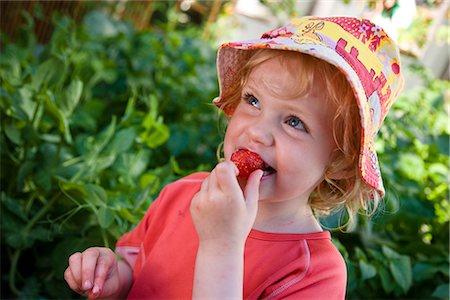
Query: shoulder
point(193, 178)
point(324, 255)
point(181, 190)
point(313, 268)
point(327, 263)
point(190, 182)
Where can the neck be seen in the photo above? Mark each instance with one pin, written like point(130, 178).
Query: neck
point(279, 217)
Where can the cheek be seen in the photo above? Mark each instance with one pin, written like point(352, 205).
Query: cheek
point(231, 135)
point(307, 167)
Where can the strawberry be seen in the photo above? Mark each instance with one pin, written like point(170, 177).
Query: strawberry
point(247, 162)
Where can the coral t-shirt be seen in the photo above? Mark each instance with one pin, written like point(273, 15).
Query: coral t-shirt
point(163, 247)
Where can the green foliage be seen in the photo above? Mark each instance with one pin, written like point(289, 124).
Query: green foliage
point(402, 253)
point(97, 121)
point(92, 126)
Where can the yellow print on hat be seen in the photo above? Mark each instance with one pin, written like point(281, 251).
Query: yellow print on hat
point(365, 55)
point(306, 33)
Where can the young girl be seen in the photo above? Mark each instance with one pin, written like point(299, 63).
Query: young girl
point(307, 99)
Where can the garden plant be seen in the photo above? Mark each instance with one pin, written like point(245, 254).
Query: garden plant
point(95, 122)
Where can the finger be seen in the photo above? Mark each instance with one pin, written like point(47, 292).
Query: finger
point(205, 185)
point(236, 170)
point(75, 268)
point(212, 180)
point(226, 177)
point(251, 191)
point(105, 264)
point(89, 263)
point(68, 276)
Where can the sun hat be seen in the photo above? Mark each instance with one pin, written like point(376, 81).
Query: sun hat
point(360, 49)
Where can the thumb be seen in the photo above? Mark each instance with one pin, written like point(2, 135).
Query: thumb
point(251, 191)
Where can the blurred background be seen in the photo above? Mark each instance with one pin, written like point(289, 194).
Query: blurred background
point(104, 102)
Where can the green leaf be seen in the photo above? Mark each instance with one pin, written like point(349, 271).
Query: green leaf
point(61, 121)
point(387, 281)
point(25, 169)
point(424, 271)
point(13, 133)
point(400, 267)
point(389, 253)
point(442, 291)
point(72, 97)
point(156, 133)
point(89, 193)
point(443, 142)
point(12, 205)
point(48, 73)
point(102, 141)
point(149, 180)
point(122, 141)
point(412, 166)
point(124, 213)
point(145, 196)
point(25, 102)
point(401, 271)
point(101, 163)
point(95, 195)
point(367, 270)
point(105, 217)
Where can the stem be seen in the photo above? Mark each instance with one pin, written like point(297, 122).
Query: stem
point(72, 161)
point(32, 121)
point(12, 272)
point(16, 255)
point(41, 213)
point(105, 238)
point(30, 203)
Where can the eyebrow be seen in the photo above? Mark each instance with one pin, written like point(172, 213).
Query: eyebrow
point(296, 90)
point(294, 108)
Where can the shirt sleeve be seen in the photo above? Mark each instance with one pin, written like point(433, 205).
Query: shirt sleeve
point(155, 221)
point(131, 243)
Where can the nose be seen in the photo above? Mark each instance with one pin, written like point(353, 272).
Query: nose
point(260, 134)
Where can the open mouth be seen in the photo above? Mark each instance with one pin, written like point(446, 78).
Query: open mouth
point(268, 170)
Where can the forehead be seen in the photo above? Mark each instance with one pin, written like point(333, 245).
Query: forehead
point(286, 76)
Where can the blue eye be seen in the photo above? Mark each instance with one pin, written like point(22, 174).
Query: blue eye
point(296, 123)
point(252, 100)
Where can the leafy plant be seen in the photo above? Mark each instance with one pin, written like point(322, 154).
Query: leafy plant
point(403, 251)
point(92, 125)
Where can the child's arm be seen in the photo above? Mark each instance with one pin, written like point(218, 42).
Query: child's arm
point(97, 273)
point(223, 216)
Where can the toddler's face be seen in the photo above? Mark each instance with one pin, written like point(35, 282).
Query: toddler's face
point(293, 135)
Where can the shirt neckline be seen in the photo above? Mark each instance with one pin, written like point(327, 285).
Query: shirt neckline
point(271, 236)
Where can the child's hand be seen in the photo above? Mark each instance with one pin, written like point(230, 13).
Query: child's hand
point(94, 273)
point(221, 211)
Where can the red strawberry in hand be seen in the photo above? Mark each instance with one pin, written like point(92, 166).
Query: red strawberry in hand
point(247, 162)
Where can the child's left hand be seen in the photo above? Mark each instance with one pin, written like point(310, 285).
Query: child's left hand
point(222, 212)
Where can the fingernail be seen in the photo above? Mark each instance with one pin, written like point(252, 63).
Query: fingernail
point(95, 290)
point(87, 285)
point(261, 174)
point(236, 170)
